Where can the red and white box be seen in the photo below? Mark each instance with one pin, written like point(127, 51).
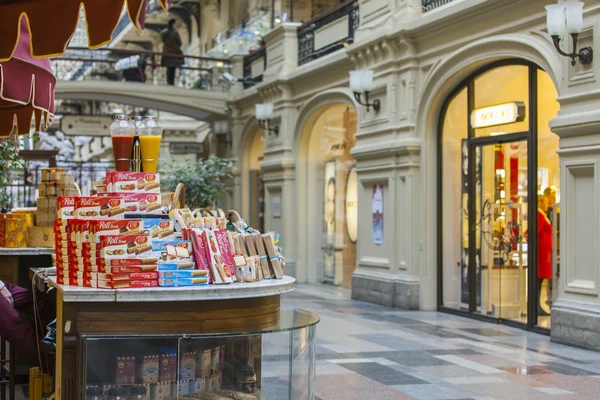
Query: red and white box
point(130, 246)
point(98, 207)
point(65, 207)
point(99, 228)
point(133, 182)
point(133, 276)
point(127, 284)
point(141, 203)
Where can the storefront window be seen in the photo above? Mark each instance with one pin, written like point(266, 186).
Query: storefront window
point(487, 201)
point(256, 188)
point(454, 202)
point(331, 138)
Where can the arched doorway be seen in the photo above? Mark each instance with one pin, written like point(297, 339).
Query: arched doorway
point(499, 195)
point(331, 182)
point(253, 190)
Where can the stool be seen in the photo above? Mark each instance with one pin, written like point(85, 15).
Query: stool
point(7, 370)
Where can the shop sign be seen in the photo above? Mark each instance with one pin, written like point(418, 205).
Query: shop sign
point(85, 125)
point(352, 205)
point(377, 208)
point(500, 114)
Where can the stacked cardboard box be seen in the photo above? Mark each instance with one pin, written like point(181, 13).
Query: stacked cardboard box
point(55, 183)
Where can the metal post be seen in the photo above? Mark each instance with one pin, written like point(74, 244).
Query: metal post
point(291, 10)
point(272, 14)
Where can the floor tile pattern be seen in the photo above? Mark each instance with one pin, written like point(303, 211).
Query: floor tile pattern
point(366, 351)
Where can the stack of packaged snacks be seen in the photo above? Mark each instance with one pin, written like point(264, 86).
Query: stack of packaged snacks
point(65, 243)
point(55, 183)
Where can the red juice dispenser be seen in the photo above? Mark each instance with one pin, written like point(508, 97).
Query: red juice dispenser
point(122, 131)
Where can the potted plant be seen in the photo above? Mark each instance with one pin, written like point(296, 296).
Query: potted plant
point(204, 181)
point(9, 161)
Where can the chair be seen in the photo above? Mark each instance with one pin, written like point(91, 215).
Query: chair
point(7, 370)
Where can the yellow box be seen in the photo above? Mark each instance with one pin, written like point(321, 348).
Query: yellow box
point(16, 229)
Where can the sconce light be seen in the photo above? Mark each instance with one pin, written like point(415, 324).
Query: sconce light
point(264, 115)
point(221, 130)
point(568, 18)
point(361, 82)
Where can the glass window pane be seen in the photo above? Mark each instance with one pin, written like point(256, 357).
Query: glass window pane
point(455, 239)
point(548, 185)
point(503, 85)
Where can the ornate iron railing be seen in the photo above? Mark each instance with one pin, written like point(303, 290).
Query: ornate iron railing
point(306, 33)
point(429, 5)
point(195, 73)
point(249, 60)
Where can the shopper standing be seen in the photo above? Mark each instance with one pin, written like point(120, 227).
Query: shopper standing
point(171, 49)
point(544, 250)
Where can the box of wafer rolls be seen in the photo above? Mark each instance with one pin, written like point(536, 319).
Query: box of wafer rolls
point(130, 246)
point(96, 207)
point(133, 182)
point(141, 203)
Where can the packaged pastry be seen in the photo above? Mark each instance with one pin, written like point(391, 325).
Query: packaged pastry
point(203, 358)
point(97, 207)
point(187, 366)
point(127, 284)
point(225, 249)
point(172, 267)
point(198, 281)
point(162, 229)
point(65, 207)
point(182, 218)
point(189, 273)
point(99, 228)
point(263, 256)
point(133, 276)
point(125, 371)
point(173, 251)
point(119, 246)
point(130, 269)
point(147, 369)
point(198, 239)
point(133, 182)
point(149, 260)
point(274, 258)
point(168, 367)
point(219, 271)
point(141, 203)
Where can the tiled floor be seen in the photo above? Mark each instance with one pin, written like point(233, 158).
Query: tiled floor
point(366, 352)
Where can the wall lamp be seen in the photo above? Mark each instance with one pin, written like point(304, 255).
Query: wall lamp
point(361, 82)
point(264, 116)
point(566, 18)
point(221, 130)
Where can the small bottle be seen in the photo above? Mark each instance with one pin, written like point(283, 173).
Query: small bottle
point(138, 393)
point(94, 393)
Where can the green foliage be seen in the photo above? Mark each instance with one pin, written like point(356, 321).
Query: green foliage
point(9, 161)
point(205, 181)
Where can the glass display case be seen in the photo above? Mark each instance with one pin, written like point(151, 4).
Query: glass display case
point(273, 361)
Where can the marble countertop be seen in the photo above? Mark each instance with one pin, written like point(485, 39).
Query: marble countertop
point(267, 287)
point(26, 251)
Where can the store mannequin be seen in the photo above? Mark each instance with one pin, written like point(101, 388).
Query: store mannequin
point(544, 252)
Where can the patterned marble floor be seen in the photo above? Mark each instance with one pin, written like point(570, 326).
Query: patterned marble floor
point(366, 352)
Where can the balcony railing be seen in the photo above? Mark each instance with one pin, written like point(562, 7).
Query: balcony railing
point(429, 5)
point(144, 67)
point(328, 32)
point(255, 64)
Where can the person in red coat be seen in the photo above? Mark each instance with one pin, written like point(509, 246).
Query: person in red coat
point(544, 250)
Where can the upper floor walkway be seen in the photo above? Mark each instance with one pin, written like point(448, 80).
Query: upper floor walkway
point(140, 78)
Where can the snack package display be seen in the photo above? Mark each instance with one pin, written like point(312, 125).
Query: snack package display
point(173, 252)
point(135, 182)
point(225, 249)
point(147, 369)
